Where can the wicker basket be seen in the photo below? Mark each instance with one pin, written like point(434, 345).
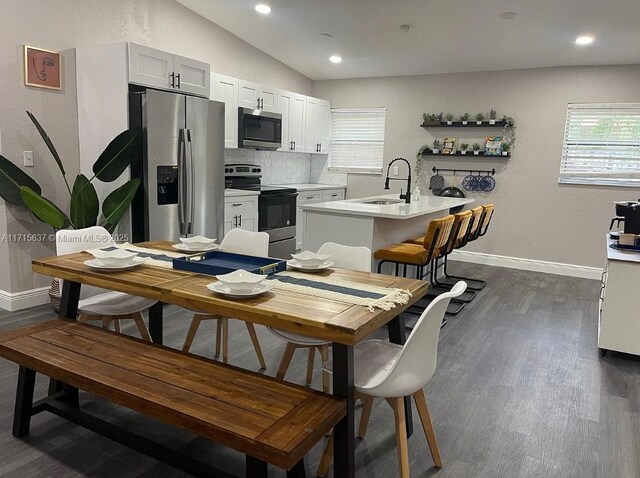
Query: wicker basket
point(54, 295)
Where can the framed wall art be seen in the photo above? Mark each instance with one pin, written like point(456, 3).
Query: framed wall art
point(42, 68)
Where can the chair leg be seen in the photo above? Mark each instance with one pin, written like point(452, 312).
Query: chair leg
point(367, 406)
point(256, 344)
point(401, 435)
point(327, 455)
point(285, 361)
point(310, 359)
point(425, 418)
point(225, 339)
point(116, 325)
point(218, 337)
point(326, 378)
point(83, 319)
point(193, 328)
point(142, 328)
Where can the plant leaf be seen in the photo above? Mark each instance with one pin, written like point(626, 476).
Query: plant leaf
point(117, 203)
point(44, 209)
point(84, 203)
point(47, 141)
point(11, 178)
point(118, 155)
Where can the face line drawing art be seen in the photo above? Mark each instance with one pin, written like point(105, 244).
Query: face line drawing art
point(46, 61)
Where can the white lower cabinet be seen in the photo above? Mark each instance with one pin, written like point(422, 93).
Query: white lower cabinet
point(241, 212)
point(310, 197)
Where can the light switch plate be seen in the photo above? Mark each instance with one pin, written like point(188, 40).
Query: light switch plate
point(27, 157)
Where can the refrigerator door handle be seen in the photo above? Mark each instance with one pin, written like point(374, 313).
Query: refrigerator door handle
point(182, 182)
point(190, 182)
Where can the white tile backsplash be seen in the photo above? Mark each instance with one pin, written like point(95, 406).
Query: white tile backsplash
point(287, 168)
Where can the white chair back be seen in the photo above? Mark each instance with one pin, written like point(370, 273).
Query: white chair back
point(417, 361)
point(69, 241)
point(250, 243)
point(348, 257)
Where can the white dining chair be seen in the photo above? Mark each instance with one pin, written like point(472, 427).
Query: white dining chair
point(346, 257)
point(96, 303)
point(391, 371)
point(237, 241)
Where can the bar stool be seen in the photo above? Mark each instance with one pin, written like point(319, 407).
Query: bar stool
point(418, 255)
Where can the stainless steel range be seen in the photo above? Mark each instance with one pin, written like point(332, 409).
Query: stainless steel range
point(276, 207)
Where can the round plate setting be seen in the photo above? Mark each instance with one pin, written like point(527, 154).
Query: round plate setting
point(224, 290)
point(97, 264)
point(181, 247)
point(296, 265)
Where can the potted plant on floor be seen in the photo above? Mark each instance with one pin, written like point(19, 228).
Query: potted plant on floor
point(436, 146)
point(476, 148)
point(449, 117)
point(465, 118)
point(492, 116)
point(479, 118)
point(464, 147)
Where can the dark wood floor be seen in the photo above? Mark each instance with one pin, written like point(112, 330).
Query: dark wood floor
point(520, 391)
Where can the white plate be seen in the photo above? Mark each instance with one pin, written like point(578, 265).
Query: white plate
point(184, 248)
point(296, 265)
point(224, 290)
point(99, 265)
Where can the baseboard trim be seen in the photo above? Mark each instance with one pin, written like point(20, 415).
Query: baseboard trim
point(528, 264)
point(13, 301)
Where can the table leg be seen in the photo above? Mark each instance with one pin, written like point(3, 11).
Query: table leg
point(156, 322)
point(69, 300)
point(397, 335)
point(344, 462)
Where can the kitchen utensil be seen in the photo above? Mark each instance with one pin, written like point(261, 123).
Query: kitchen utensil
point(197, 243)
point(466, 182)
point(436, 184)
point(486, 183)
point(99, 265)
point(621, 207)
point(115, 257)
point(453, 192)
point(185, 248)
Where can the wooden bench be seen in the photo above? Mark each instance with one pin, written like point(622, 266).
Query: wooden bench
point(267, 420)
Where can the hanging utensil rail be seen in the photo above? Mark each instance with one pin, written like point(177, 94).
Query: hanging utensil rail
point(470, 171)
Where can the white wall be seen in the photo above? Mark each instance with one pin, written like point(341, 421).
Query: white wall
point(536, 218)
point(63, 26)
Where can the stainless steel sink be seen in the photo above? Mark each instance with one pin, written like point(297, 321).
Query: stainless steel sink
point(382, 202)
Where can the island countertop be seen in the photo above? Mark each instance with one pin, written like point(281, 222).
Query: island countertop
point(359, 207)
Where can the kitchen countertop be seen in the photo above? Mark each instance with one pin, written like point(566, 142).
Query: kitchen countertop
point(229, 193)
point(312, 186)
point(621, 255)
point(356, 207)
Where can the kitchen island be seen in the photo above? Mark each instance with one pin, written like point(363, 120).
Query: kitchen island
point(373, 222)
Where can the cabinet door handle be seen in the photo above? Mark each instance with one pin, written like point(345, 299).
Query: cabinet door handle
point(320, 147)
point(261, 103)
point(240, 220)
point(294, 145)
point(334, 195)
point(235, 221)
point(178, 81)
point(309, 197)
point(236, 204)
point(290, 145)
point(172, 80)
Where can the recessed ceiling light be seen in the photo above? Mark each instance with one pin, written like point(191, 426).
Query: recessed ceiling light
point(508, 15)
point(584, 40)
point(335, 59)
point(262, 8)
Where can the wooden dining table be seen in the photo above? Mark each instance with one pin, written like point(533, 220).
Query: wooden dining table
point(342, 324)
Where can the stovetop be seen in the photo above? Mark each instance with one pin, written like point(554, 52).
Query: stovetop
point(264, 189)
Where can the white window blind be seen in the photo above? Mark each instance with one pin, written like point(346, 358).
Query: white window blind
point(602, 144)
point(357, 140)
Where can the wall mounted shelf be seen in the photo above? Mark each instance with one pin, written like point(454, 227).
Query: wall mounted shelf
point(470, 124)
point(469, 155)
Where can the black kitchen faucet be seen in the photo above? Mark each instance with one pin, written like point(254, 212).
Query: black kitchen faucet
point(407, 196)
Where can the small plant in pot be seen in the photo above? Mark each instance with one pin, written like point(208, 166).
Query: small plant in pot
point(430, 119)
point(479, 118)
point(476, 148)
point(492, 116)
point(436, 146)
point(465, 118)
point(449, 118)
point(506, 148)
point(464, 147)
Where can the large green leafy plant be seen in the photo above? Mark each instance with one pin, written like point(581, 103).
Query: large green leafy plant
point(18, 188)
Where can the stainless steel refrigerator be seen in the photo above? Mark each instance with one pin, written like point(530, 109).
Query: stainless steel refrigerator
point(182, 168)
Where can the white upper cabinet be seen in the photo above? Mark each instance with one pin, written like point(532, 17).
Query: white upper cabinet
point(225, 89)
point(150, 67)
point(292, 107)
point(159, 69)
point(317, 124)
point(191, 76)
point(258, 97)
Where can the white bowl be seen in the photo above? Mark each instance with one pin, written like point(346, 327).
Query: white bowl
point(197, 242)
point(116, 257)
point(241, 280)
point(310, 259)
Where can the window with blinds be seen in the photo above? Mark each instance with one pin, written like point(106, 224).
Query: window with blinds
point(602, 144)
point(357, 140)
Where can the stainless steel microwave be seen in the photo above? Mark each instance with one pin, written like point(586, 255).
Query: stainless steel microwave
point(259, 129)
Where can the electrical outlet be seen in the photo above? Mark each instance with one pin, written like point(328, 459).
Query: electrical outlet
point(27, 157)
point(396, 170)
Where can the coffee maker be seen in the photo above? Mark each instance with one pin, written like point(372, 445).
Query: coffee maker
point(632, 218)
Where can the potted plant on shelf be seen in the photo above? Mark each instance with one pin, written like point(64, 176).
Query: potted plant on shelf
point(464, 147)
point(479, 118)
point(508, 132)
point(436, 146)
point(476, 148)
point(431, 119)
point(492, 116)
point(18, 188)
point(506, 147)
point(465, 118)
point(449, 118)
